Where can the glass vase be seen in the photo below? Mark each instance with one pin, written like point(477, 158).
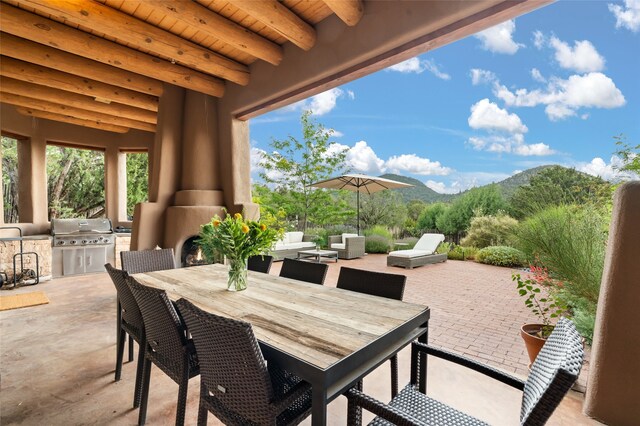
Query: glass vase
point(237, 275)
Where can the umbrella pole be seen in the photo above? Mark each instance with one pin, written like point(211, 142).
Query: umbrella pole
point(358, 208)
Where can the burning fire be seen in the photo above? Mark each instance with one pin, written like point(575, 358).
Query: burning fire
point(199, 254)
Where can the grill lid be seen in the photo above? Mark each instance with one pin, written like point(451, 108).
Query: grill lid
point(78, 226)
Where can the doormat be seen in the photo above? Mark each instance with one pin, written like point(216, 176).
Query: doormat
point(22, 300)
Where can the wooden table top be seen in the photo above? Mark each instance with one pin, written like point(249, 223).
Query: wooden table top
point(320, 325)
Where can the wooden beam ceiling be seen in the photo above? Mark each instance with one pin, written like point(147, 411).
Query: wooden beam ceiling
point(282, 20)
point(72, 120)
point(350, 11)
point(32, 73)
point(103, 63)
point(41, 105)
point(142, 35)
point(36, 53)
point(214, 25)
point(46, 31)
point(17, 87)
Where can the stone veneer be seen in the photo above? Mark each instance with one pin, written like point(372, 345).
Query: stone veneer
point(42, 247)
point(122, 244)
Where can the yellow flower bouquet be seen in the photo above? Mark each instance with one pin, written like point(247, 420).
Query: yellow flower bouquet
point(237, 239)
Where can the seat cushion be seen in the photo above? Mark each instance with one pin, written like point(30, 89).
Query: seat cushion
point(426, 410)
point(429, 242)
point(339, 246)
point(410, 253)
point(295, 237)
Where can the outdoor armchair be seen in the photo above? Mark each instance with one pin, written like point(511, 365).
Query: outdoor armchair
point(552, 374)
point(348, 246)
point(136, 262)
point(236, 383)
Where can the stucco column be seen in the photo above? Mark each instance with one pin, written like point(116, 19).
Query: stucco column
point(613, 388)
point(33, 205)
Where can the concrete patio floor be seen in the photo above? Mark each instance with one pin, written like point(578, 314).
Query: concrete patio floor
point(57, 360)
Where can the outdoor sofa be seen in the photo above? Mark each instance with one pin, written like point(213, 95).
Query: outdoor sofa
point(348, 246)
point(423, 253)
point(290, 244)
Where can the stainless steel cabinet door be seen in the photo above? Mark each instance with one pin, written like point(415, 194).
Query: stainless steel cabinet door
point(73, 261)
point(95, 258)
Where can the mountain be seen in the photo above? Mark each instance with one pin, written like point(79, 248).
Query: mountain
point(511, 184)
point(419, 191)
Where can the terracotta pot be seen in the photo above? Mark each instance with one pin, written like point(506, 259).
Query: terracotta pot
point(531, 341)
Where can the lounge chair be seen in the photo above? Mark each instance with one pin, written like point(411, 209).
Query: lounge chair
point(423, 253)
point(348, 246)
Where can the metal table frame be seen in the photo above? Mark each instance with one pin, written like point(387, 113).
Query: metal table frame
point(318, 254)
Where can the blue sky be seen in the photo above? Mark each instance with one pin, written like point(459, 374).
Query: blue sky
point(550, 87)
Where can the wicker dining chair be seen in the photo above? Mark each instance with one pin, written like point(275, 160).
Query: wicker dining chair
point(260, 263)
point(379, 284)
point(552, 374)
point(130, 323)
point(135, 262)
point(236, 384)
point(167, 345)
point(314, 273)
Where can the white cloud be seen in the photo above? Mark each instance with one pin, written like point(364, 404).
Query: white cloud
point(411, 163)
point(499, 39)
point(539, 40)
point(564, 97)
point(607, 171)
point(256, 159)
point(480, 76)
point(417, 66)
point(351, 95)
point(628, 16)
point(537, 75)
point(335, 133)
point(324, 102)
point(538, 149)
point(461, 181)
point(362, 158)
point(583, 57)
point(509, 144)
point(489, 116)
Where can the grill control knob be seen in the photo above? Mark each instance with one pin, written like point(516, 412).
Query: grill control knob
point(60, 243)
point(72, 242)
point(84, 242)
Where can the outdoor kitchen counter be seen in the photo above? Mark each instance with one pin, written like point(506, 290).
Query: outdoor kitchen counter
point(40, 244)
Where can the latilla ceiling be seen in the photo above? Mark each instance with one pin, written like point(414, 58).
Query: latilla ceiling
point(102, 63)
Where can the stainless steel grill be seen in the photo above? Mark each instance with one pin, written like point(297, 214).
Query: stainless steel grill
point(81, 245)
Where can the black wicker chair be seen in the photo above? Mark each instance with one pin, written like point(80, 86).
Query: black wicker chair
point(236, 383)
point(167, 345)
point(135, 262)
point(552, 374)
point(260, 263)
point(379, 284)
point(304, 271)
point(129, 323)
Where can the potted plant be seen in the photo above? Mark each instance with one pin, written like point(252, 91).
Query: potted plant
point(545, 307)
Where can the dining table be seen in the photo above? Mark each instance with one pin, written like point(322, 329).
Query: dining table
point(327, 336)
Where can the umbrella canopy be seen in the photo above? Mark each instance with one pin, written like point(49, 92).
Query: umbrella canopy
point(360, 183)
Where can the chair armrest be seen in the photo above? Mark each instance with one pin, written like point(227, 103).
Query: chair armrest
point(354, 242)
point(391, 414)
point(309, 238)
point(466, 362)
point(290, 397)
point(334, 239)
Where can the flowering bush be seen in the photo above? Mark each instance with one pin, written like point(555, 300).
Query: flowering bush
point(500, 256)
point(235, 237)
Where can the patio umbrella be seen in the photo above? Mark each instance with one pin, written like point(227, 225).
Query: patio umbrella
point(360, 183)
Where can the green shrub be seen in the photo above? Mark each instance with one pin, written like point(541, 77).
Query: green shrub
point(376, 244)
point(570, 241)
point(410, 241)
point(501, 256)
point(455, 252)
point(486, 231)
point(382, 231)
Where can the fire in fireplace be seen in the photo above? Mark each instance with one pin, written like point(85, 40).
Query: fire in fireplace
point(192, 253)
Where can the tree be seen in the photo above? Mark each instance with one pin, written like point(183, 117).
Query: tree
point(9, 156)
point(137, 180)
point(476, 202)
point(556, 186)
point(382, 208)
point(294, 165)
point(630, 155)
point(429, 216)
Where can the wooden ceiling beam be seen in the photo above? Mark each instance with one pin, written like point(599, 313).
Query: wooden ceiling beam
point(17, 87)
point(27, 102)
point(280, 19)
point(210, 23)
point(128, 29)
point(45, 31)
point(349, 11)
point(72, 120)
point(49, 57)
point(43, 76)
